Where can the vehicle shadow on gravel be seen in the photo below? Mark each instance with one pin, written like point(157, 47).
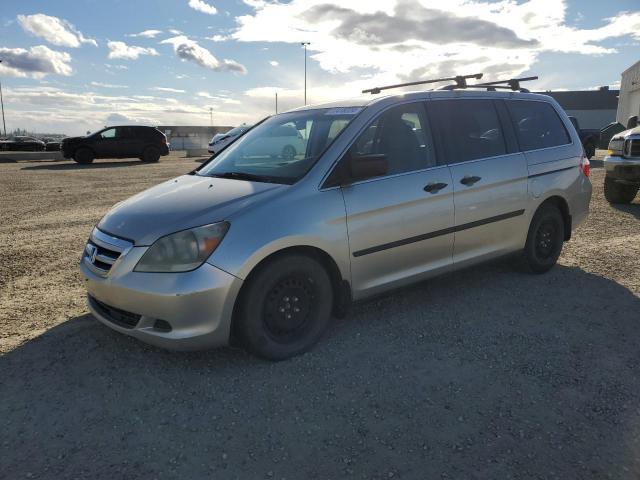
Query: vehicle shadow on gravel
point(485, 373)
point(632, 208)
point(77, 166)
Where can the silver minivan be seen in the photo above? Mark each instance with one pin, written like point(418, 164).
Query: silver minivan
point(261, 249)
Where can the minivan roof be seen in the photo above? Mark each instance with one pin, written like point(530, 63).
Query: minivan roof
point(365, 101)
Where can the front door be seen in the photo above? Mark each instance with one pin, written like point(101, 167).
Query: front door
point(489, 178)
point(399, 224)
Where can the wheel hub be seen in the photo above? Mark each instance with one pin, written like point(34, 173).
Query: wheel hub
point(545, 239)
point(288, 305)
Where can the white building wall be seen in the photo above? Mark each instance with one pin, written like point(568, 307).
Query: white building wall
point(629, 102)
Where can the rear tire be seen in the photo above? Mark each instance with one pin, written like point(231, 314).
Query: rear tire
point(544, 240)
point(150, 155)
point(288, 152)
point(616, 192)
point(285, 308)
point(589, 150)
point(84, 156)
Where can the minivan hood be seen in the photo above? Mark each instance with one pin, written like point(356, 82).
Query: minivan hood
point(184, 202)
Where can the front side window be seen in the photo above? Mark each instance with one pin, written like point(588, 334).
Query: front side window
point(108, 134)
point(470, 129)
point(283, 148)
point(402, 136)
point(537, 125)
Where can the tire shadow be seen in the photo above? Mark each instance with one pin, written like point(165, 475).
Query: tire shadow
point(97, 164)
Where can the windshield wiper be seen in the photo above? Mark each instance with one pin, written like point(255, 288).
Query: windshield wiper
point(248, 176)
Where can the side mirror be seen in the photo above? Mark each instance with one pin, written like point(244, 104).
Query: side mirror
point(366, 166)
point(632, 122)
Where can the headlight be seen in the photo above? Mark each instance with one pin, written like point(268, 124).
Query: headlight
point(616, 147)
point(183, 251)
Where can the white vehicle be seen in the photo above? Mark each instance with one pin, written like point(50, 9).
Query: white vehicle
point(221, 140)
point(284, 142)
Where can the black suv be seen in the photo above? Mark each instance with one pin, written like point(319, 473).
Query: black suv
point(145, 143)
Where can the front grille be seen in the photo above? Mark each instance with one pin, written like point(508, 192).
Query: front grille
point(103, 251)
point(633, 148)
point(122, 318)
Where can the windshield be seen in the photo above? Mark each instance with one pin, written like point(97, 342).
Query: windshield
point(283, 148)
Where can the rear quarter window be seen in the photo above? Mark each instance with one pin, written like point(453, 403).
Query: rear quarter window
point(537, 125)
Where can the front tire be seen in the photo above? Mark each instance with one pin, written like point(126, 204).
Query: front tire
point(616, 192)
point(544, 240)
point(285, 307)
point(84, 156)
point(288, 152)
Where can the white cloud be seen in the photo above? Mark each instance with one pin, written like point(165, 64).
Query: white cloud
point(128, 52)
point(190, 50)
point(106, 85)
point(219, 38)
point(219, 98)
point(54, 30)
point(167, 89)
point(203, 7)
point(412, 39)
point(36, 62)
point(146, 34)
point(173, 31)
point(273, 63)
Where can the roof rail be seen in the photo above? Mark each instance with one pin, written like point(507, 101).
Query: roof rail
point(511, 84)
point(461, 82)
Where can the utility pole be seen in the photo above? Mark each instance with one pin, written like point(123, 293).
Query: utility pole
point(304, 44)
point(276, 103)
point(211, 115)
point(4, 125)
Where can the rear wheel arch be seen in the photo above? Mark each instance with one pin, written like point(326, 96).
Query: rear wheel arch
point(561, 204)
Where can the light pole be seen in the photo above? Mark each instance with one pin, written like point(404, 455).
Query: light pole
point(4, 125)
point(211, 115)
point(304, 44)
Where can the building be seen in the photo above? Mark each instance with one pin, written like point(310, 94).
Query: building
point(629, 104)
point(190, 137)
point(593, 108)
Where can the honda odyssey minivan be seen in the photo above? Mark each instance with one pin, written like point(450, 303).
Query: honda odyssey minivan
point(260, 248)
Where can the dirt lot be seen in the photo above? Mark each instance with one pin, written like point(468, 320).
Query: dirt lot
point(487, 373)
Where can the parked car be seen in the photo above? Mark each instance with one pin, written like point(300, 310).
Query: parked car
point(590, 137)
point(221, 140)
point(259, 248)
point(21, 143)
point(51, 144)
point(145, 143)
point(622, 165)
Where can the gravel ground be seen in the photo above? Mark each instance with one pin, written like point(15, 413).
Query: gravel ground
point(486, 373)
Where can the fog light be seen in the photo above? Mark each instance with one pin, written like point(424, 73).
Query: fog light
point(162, 325)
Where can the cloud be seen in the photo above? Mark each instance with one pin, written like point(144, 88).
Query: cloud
point(146, 34)
point(273, 63)
point(128, 52)
point(54, 30)
point(173, 31)
point(189, 50)
point(219, 98)
point(203, 7)
point(107, 85)
point(36, 62)
point(167, 89)
point(411, 21)
point(219, 38)
point(401, 39)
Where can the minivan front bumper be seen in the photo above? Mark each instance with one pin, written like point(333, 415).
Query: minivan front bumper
point(177, 311)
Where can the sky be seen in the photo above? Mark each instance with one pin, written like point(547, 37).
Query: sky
point(71, 66)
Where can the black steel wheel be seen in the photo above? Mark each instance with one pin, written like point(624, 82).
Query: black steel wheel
point(84, 156)
point(285, 307)
point(544, 240)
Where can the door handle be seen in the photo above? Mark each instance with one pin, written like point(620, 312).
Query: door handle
point(433, 187)
point(468, 181)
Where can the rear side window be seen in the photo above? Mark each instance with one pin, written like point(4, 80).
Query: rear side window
point(469, 129)
point(537, 125)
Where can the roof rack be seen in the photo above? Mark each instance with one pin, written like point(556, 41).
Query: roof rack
point(461, 82)
point(511, 84)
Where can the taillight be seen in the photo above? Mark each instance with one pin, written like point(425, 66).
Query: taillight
point(585, 166)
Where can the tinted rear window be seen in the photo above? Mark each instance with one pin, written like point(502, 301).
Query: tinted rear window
point(537, 125)
point(470, 129)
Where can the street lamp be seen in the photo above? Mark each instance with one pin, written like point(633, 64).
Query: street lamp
point(304, 44)
point(4, 125)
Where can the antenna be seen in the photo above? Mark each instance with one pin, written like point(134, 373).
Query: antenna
point(461, 82)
